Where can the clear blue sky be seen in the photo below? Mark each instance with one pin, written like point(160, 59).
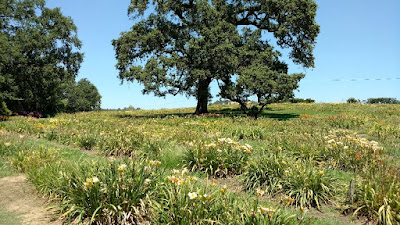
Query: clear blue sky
point(359, 40)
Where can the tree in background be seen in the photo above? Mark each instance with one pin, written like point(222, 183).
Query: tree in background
point(82, 96)
point(187, 44)
point(352, 100)
point(38, 54)
point(6, 92)
point(383, 101)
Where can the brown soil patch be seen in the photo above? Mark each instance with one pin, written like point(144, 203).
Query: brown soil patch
point(20, 197)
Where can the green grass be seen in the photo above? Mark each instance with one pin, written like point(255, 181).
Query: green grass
point(9, 218)
point(5, 168)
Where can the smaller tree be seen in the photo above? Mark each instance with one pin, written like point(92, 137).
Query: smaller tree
point(353, 100)
point(6, 93)
point(82, 96)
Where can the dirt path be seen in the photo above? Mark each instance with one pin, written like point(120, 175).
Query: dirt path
point(20, 197)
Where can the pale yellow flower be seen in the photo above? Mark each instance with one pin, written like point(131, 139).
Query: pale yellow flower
point(95, 180)
point(147, 181)
point(289, 200)
point(121, 168)
point(170, 178)
point(90, 181)
point(174, 179)
point(7, 144)
point(192, 195)
point(265, 209)
point(184, 171)
point(260, 192)
point(86, 185)
point(247, 148)
point(211, 146)
point(223, 189)
point(206, 196)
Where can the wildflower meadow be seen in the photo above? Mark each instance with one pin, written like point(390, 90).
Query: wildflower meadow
point(296, 164)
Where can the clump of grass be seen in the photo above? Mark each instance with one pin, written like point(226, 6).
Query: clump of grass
point(87, 141)
point(301, 180)
point(92, 191)
point(32, 159)
point(122, 142)
point(308, 185)
point(346, 151)
point(378, 195)
point(182, 199)
point(108, 191)
point(266, 170)
point(221, 158)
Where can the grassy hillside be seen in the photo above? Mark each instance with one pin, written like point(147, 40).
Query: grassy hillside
point(298, 163)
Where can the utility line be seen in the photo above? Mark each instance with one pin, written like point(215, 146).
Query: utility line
point(367, 79)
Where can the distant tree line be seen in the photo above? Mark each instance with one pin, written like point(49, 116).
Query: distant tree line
point(374, 101)
point(39, 61)
point(301, 100)
point(290, 100)
point(128, 108)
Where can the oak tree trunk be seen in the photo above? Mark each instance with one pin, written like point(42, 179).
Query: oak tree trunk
point(202, 96)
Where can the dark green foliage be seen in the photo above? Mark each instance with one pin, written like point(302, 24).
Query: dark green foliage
point(82, 96)
point(301, 100)
point(383, 101)
point(188, 44)
point(4, 111)
point(38, 53)
point(353, 100)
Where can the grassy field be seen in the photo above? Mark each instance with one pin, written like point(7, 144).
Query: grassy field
point(297, 163)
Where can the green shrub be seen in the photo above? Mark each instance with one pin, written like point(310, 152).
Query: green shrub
point(4, 111)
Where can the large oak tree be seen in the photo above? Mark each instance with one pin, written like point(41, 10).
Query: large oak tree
point(187, 44)
point(38, 53)
point(82, 96)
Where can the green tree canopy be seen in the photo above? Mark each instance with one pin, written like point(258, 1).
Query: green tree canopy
point(82, 96)
point(186, 44)
point(38, 52)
